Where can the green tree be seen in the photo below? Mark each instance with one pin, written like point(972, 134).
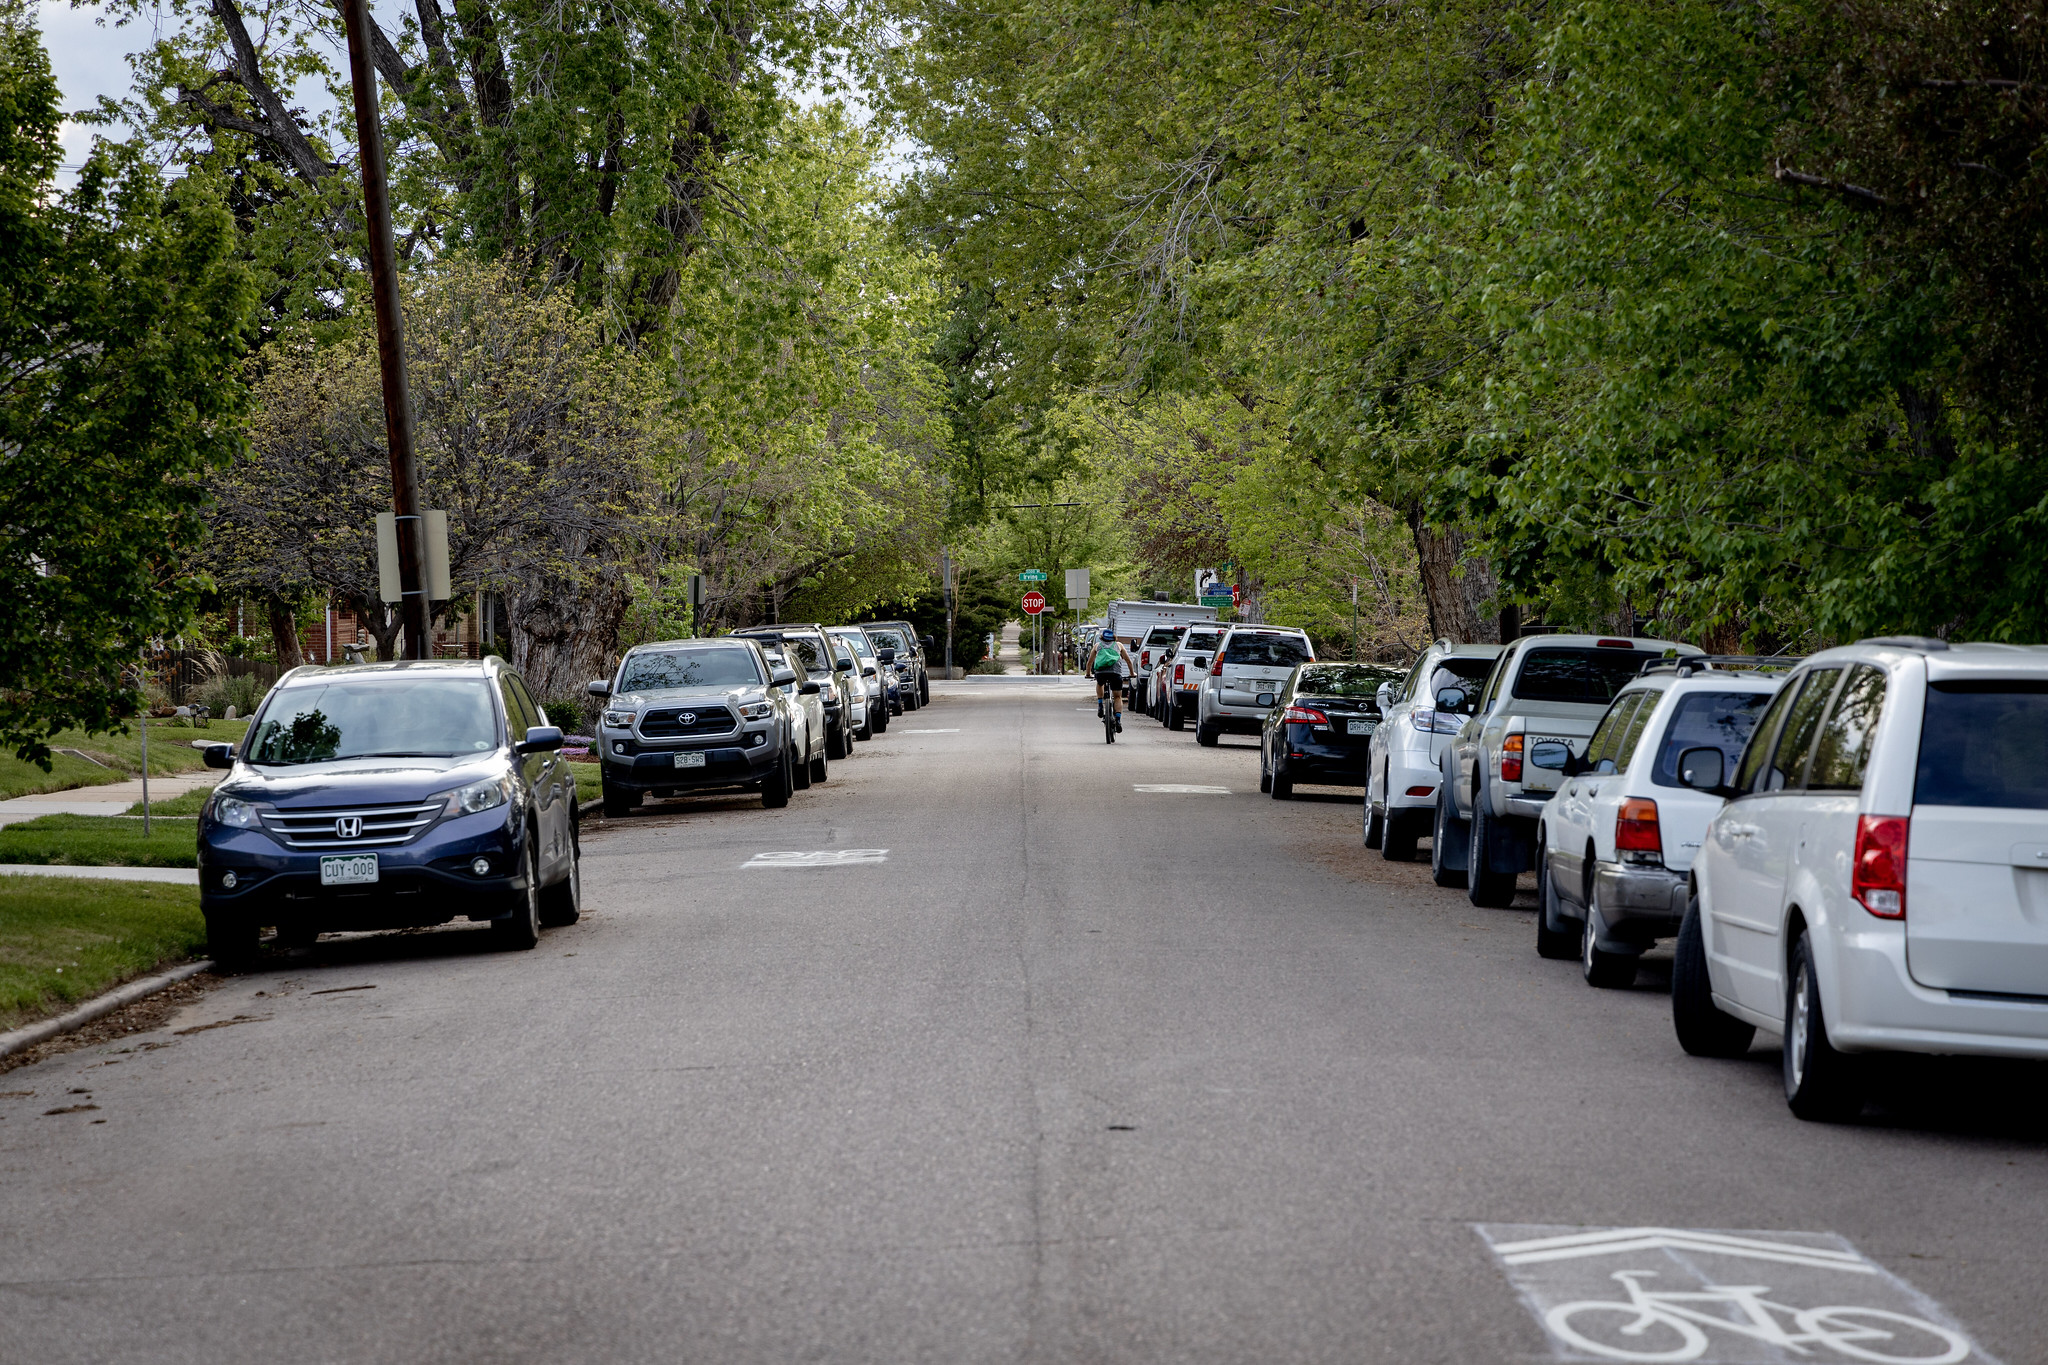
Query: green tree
point(122, 322)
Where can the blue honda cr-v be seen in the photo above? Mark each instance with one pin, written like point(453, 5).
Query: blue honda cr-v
point(379, 796)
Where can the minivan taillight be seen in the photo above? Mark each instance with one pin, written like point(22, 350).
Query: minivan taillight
point(1636, 829)
point(1877, 877)
point(1511, 759)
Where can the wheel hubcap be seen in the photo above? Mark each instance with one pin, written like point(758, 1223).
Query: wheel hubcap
point(1801, 1022)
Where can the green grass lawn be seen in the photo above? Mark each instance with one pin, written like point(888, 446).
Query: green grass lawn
point(589, 785)
point(101, 841)
point(119, 757)
point(62, 941)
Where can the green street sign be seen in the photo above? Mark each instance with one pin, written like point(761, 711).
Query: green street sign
point(1031, 576)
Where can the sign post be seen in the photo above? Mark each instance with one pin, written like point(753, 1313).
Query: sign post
point(1034, 604)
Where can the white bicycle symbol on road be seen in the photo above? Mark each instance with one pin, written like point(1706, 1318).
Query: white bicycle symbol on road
point(1672, 1327)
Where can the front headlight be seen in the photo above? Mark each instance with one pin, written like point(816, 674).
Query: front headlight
point(758, 710)
point(480, 796)
point(233, 811)
point(831, 692)
point(619, 720)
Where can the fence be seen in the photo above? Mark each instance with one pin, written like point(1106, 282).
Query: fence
point(183, 671)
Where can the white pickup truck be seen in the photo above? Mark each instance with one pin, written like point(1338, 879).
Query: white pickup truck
point(1489, 799)
point(1149, 630)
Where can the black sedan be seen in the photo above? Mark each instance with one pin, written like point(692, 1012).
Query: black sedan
point(1320, 727)
point(383, 796)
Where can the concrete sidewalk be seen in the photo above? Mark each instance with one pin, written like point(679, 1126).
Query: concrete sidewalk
point(113, 798)
point(176, 876)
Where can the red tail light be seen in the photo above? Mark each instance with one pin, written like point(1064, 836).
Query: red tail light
point(1877, 878)
point(1304, 715)
point(1144, 658)
point(1180, 674)
point(1511, 759)
point(1635, 827)
point(1216, 669)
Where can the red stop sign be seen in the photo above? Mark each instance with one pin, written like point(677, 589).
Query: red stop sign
point(1034, 602)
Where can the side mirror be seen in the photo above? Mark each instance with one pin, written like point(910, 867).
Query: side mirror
point(928, 643)
point(1452, 699)
point(218, 756)
point(868, 671)
point(1384, 698)
point(540, 739)
point(887, 656)
point(1704, 769)
point(1551, 754)
point(782, 677)
point(843, 666)
point(1265, 698)
point(598, 687)
point(811, 689)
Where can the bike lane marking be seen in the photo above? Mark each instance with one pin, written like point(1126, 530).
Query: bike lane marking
point(829, 857)
point(1720, 1297)
point(1179, 789)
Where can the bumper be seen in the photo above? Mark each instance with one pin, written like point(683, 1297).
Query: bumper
point(1312, 760)
point(1241, 720)
point(656, 770)
point(1876, 1006)
point(428, 881)
point(1639, 905)
point(1527, 807)
point(1408, 768)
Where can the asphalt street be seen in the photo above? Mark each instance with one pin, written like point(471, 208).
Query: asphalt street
point(1070, 1072)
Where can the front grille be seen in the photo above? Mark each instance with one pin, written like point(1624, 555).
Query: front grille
point(668, 722)
point(382, 826)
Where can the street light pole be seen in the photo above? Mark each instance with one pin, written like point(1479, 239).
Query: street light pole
point(405, 464)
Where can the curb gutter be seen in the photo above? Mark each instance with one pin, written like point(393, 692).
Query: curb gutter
point(28, 1035)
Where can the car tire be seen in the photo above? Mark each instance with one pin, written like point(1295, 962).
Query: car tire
point(1205, 736)
point(1704, 1029)
point(520, 930)
point(819, 771)
point(776, 786)
point(1400, 836)
point(881, 718)
point(836, 743)
point(1375, 825)
point(1603, 970)
point(1283, 785)
point(619, 801)
point(1484, 886)
point(1448, 877)
point(562, 903)
point(924, 689)
point(1265, 773)
point(230, 940)
point(1558, 945)
point(1821, 1084)
point(800, 774)
point(1176, 718)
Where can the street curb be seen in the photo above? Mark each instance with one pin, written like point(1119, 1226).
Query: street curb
point(28, 1035)
point(589, 808)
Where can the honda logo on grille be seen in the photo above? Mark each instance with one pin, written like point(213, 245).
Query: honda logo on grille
point(688, 718)
point(348, 827)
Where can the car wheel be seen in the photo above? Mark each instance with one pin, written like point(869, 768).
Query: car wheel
point(835, 743)
point(1602, 969)
point(1483, 885)
point(1401, 833)
point(619, 801)
point(924, 690)
point(520, 929)
point(230, 940)
point(800, 774)
point(881, 718)
point(1176, 719)
point(1559, 945)
point(1440, 838)
point(1375, 825)
point(1821, 1084)
point(776, 786)
point(818, 769)
point(1205, 736)
point(1704, 1030)
point(562, 903)
point(1265, 773)
point(1283, 785)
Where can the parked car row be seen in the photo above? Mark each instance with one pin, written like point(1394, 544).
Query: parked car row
point(399, 795)
point(1850, 850)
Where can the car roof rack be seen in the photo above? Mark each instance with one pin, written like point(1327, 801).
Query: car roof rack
point(1686, 665)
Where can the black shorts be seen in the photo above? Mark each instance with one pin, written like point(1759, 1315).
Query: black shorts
point(1109, 678)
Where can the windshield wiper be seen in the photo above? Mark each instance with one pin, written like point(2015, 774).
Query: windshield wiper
point(397, 753)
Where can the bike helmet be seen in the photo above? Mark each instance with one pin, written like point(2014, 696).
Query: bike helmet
point(1109, 637)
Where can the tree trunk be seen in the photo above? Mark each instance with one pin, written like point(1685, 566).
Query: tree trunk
point(284, 632)
point(383, 624)
point(565, 633)
point(1458, 585)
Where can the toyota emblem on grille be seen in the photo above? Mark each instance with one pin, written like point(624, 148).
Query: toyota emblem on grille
point(348, 827)
point(688, 718)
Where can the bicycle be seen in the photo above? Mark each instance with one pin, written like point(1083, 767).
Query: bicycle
point(1841, 1328)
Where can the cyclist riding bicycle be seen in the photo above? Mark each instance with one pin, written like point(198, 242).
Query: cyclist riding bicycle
point(1111, 664)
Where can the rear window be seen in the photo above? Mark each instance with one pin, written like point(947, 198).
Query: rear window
point(1161, 637)
point(1843, 753)
point(1337, 681)
point(1202, 639)
point(1582, 675)
point(1267, 651)
point(1984, 744)
point(1708, 720)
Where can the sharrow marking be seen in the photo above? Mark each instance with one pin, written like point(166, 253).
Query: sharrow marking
point(932, 732)
point(1739, 1298)
point(1179, 789)
point(825, 857)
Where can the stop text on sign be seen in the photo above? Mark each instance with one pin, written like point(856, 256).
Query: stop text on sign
point(1034, 602)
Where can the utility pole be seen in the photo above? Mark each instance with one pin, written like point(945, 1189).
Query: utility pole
point(946, 587)
point(413, 610)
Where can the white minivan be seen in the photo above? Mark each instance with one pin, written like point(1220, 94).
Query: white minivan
point(1878, 880)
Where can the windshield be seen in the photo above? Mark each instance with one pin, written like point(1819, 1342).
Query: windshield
point(1267, 651)
point(859, 641)
point(812, 652)
point(718, 666)
point(887, 639)
point(392, 716)
point(1336, 680)
point(1584, 675)
point(1984, 744)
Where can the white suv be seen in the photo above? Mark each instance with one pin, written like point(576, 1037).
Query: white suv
point(1251, 665)
point(1401, 774)
point(1878, 880)
point(1180, 674)
point(1615, 845)
point(1542, 688)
